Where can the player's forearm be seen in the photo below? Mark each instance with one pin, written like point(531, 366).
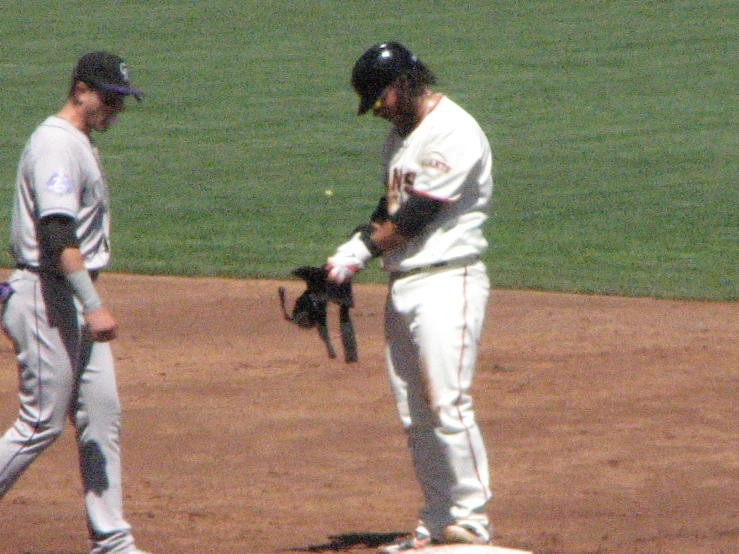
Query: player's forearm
point(72, 265)
point(70, 260)
point(61, 253)
point(409, 221)
point(386, 236)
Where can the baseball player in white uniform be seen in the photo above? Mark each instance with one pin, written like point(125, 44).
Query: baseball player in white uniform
point(52, 312)
point(428, 231)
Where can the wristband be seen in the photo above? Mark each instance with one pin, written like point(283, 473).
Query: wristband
point(84, 289)
point(364, 236)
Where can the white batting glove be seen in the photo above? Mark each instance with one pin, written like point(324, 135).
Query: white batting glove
point(349, 258)
point(340, 273)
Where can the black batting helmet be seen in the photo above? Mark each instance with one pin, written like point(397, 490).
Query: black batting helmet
point(378, 67)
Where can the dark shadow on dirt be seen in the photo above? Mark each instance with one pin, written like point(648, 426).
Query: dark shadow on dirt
point(337, 543)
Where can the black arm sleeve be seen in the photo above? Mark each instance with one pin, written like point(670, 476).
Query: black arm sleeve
point(380, 214)
point(55, 233)
point(415, 214)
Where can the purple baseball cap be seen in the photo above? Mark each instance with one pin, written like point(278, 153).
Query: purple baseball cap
point(105, 71)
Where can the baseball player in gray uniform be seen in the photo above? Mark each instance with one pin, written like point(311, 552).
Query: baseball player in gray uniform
point(427, 229)
point(58, 323)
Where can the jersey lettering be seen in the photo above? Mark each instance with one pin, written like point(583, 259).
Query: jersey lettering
point(400, 182)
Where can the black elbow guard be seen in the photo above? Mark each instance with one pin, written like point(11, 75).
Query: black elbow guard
point(55, 233)
point(380, 214)
point(415, 214)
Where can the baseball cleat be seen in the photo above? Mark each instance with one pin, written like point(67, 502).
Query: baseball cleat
point(463, 533)
point(419, 539)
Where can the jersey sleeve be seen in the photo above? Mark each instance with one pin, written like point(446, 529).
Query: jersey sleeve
point(55, 174)
point(444, 164)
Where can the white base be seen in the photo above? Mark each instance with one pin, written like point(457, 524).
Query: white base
point(468, 549)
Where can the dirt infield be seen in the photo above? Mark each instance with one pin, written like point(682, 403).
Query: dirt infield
point(611, 425)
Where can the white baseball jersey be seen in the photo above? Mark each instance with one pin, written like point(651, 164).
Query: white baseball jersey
point(60, 174)
point(434, 316)
point(447, 157)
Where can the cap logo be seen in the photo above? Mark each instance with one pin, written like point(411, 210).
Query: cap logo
point(124, 71)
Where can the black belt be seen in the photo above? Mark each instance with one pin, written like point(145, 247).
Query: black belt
point(448, 264)
point(47, 273)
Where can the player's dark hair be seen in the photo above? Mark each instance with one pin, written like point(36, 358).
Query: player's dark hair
point(72, 86)
point(419, 78)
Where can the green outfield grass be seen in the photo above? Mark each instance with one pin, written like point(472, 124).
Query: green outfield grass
point(613, 125)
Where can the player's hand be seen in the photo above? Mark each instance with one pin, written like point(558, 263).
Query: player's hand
point(340, 271)
point(348, 259)
point(101, 325)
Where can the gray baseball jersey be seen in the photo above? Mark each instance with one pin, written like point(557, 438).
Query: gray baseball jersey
point(60, 174)
point(62, 372)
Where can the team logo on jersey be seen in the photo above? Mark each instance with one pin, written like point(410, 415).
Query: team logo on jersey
point(60, 183)
point(436, 163)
